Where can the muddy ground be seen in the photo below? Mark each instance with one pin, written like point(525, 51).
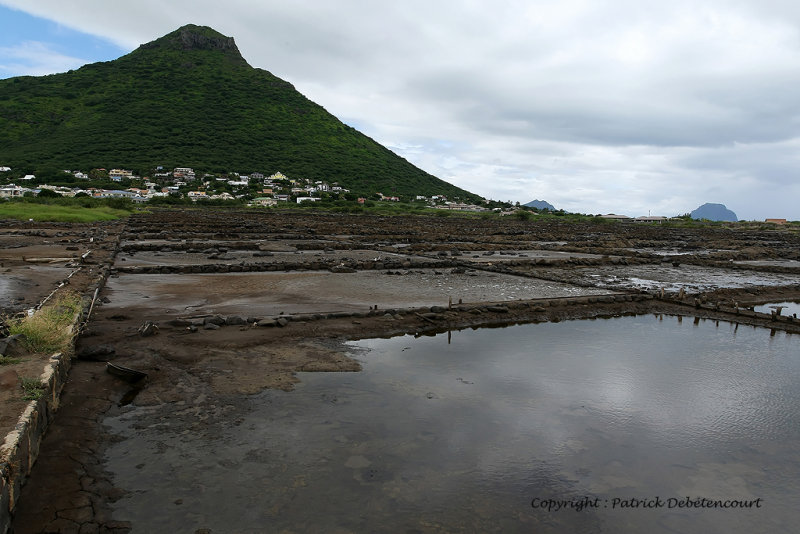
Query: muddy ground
point(241, 301)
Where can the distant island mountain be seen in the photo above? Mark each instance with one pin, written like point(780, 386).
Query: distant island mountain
point(189, 99)
point(714, 212)
point(540, 205)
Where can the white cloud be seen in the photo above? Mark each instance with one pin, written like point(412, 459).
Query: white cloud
point(623, 106)
point(34, 58)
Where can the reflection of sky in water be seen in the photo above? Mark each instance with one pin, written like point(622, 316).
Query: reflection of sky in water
point(460, 436)
point(788, 307)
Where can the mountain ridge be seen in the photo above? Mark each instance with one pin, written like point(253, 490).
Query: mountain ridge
point(189, 99)
point(540, 205)
point(714, 212)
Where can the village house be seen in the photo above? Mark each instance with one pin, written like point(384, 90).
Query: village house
point(196, 195)
point(306, 199)
point(113, 193)
point(183, 173)
point(277, 176)
point(12, 191)
point(118, 174)
point(139, 192)
point(467, 207)
point(263, 201)
point(5, 169)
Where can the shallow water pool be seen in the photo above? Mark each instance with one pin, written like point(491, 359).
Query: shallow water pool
point(484, 430)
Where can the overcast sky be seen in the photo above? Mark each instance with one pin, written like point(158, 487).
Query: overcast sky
point(623, 106)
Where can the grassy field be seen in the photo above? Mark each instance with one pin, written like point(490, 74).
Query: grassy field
point(58, 213)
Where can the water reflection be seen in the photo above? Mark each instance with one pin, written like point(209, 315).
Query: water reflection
point(459, 432)
point(787, 308)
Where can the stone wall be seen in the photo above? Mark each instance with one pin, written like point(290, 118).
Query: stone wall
point(21, 447)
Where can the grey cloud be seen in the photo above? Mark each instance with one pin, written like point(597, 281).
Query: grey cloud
point(617, 106)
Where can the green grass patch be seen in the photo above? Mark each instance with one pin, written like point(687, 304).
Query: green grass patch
point(56, 213)
point(8, 360)
point(47, 330)
point(32, 387)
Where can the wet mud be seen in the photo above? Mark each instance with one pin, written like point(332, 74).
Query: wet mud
point(240, 302)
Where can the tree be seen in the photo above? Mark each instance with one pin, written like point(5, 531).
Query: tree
point(98, 174)
point(48, 193)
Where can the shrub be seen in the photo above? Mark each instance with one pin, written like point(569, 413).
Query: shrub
point(48, 330)
point(32, 387)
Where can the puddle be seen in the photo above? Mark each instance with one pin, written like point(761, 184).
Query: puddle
point(232, 256)
point(789, 308)
point(690, 277)
point(678, 252)
point(479, 256)
point(771, 263)
point(460, 432)
point(323, 292)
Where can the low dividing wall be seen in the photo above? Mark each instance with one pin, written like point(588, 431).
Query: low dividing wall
point(21, 447)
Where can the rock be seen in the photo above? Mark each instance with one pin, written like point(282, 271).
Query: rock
point(148, 329)
point(98, 353)
point(341, 269)
point(235, 320)
point(217, 320)
point(179, 323)
point(282, 321)
point(13, 346)
point(497, 309)
point(267, 322)
point(438, 309)
point(210, 326)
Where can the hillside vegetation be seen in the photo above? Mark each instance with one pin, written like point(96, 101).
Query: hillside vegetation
point(190, 99)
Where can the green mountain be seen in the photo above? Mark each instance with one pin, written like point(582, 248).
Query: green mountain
point(189, 99)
